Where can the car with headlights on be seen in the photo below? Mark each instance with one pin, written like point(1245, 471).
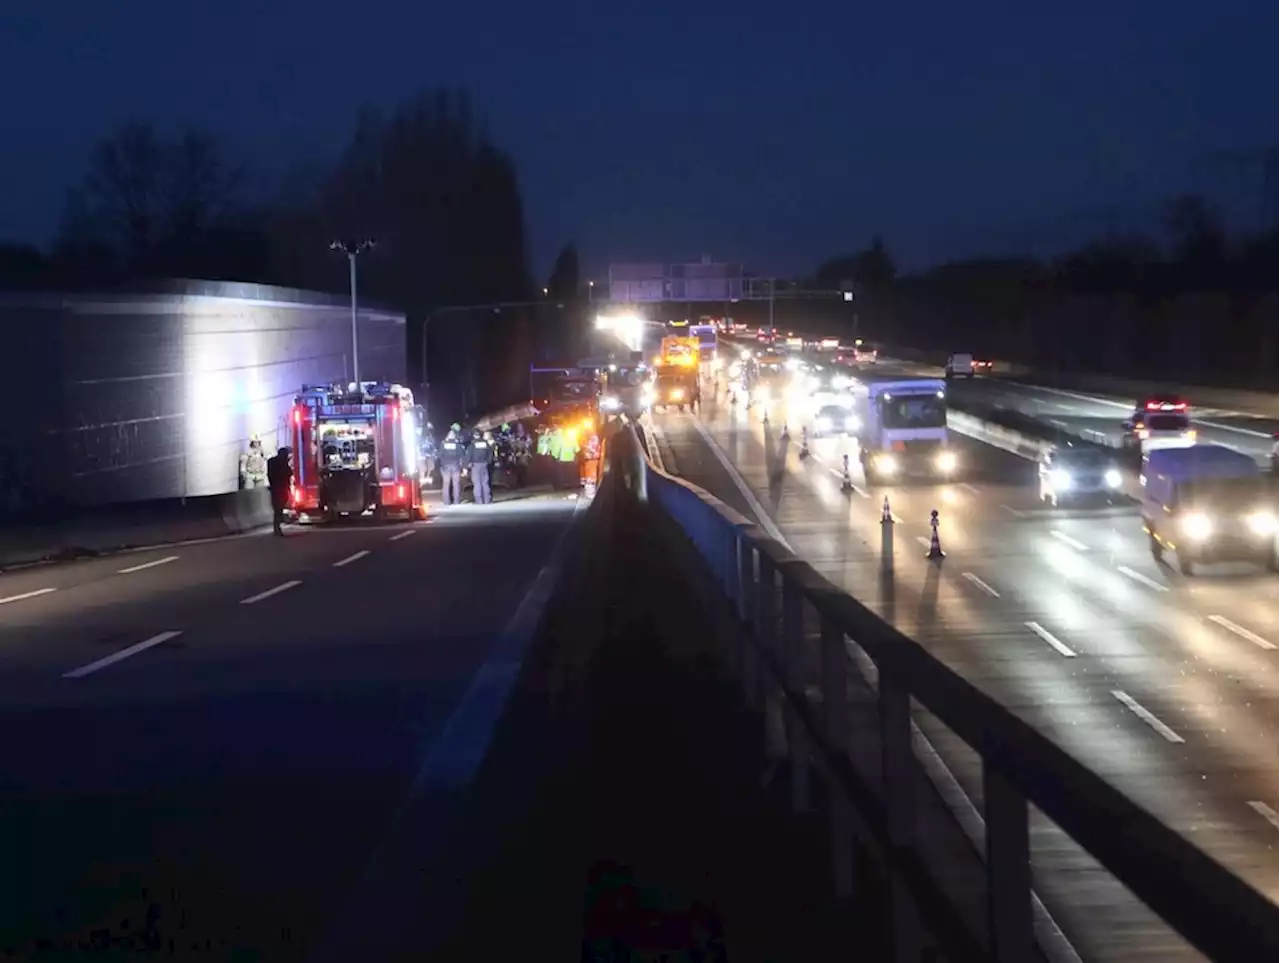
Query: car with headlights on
point(834, 420)
point(1078, 475)
point(1208, 503)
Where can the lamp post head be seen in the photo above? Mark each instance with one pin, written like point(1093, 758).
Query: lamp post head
point(351, 248)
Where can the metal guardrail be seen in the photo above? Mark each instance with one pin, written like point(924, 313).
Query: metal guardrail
point(810, 675)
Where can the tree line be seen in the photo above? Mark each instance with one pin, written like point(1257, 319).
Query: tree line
point(1195, 301)
point(425, 180)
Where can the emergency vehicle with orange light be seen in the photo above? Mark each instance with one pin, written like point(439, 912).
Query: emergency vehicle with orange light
point(1159, 422)
point(355, 452)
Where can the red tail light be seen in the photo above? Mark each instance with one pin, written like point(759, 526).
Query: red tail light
point(295, 496)
point(395, 412)
point(297, 415)
point(399, 492)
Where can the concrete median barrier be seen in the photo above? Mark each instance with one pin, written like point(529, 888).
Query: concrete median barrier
point(114, 528)
point(1263, 403)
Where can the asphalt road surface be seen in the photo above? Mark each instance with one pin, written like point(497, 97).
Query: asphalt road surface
point(1165, 686)
point(206, 745)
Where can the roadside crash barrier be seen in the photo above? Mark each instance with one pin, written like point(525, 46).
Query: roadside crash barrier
point(1262, 403)
point(1030, 441)
point(844, 682)
point(113, 528)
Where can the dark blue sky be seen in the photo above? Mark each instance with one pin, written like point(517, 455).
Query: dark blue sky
point(767, 132)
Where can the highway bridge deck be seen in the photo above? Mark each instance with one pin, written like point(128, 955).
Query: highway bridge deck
point(207, 745)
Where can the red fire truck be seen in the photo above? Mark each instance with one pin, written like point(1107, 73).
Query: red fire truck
point(355, 452)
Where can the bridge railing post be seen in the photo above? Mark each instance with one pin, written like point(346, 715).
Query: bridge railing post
point(1008, 866)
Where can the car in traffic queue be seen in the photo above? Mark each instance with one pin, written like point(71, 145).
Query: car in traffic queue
point(1208, 503)
point(1078, 474)
point(834, 419)
point(1159, 422)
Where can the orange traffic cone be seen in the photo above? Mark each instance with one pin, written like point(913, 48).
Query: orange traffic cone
point(935, 547)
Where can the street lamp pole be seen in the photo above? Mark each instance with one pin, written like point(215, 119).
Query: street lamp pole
point(353, 250)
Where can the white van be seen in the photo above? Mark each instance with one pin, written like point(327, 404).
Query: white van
point(1208, 503)
point(959, 366)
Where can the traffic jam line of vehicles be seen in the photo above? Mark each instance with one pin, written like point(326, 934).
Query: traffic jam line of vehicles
point(1206, 490)
point(1202, 503)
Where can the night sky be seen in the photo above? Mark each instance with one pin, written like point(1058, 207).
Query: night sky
point(774, 133)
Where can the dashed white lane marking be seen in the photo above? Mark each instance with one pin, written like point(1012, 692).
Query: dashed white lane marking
point(1054, 642)
point(120, 656)
point(1241, 631)
point(1139, 577)
point(282, 587)
point(145, 565)
point(981, 584)
point(1132, 704)
point(923, 541)
point(1066, 539)
point(1266, 812)
point(351, 558)
point(404, 534)
point(1014, 512)
point(26, 595)
point(971, 489)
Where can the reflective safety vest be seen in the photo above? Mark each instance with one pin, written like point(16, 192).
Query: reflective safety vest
point(593, 447)
point(544, 443)
point(554, 442)
point(568, 448)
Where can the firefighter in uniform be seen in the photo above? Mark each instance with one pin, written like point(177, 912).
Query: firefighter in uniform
point(481, 462)
point(280, 480)
point(253, 465)
point(451, 454)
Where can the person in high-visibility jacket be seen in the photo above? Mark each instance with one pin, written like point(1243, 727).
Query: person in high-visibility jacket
point(591, 461)
point(544, 441)
point(567, 457)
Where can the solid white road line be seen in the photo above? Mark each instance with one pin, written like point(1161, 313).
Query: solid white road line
point(1014, 512)
point(351, 558)
point(404, 534)
point(971, 489)
point(1132, 704)
point(766, 522)
point(924, 541)
point(146, 565)
point(981, 584)
point(1266, 812)
point(1066, 539)
point(283, 587)
point(1054, 642)
point(120, 656)
point(1139, 577)
point(26, 595)
point(1241, 631)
